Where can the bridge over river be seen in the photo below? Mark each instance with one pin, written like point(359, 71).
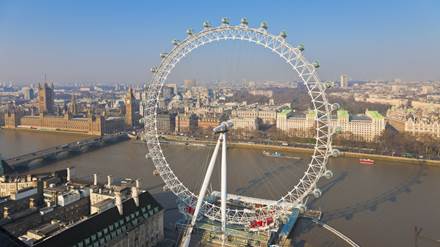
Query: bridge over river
point(35, 159)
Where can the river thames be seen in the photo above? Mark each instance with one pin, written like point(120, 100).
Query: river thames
point(374, 205)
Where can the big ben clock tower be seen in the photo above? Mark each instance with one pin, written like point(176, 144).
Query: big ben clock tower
point(129, 109)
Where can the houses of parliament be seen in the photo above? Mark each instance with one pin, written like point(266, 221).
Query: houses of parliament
point(69, 120)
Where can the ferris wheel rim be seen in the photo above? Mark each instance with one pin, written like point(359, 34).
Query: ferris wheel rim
point(307, 73)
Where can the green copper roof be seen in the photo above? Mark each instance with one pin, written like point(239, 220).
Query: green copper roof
point(311, 113)
point(286, 111)
point(343, 114)
point(375, 115)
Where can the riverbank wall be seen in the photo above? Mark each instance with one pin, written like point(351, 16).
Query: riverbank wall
point(412, 161)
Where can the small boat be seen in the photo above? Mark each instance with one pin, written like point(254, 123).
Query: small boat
point(280, 155)
point(366, 161)
point(277, 154)
point(274, 154)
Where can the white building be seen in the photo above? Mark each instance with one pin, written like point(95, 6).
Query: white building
point(248, 123)
point(344, 81)
point(267, 115)
point(294, 124)
point(422, 127)
point(361, 127)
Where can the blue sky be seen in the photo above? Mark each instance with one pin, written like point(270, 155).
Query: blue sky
point(118, 41)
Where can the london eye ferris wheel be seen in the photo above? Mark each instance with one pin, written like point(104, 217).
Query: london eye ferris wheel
point(298, 192)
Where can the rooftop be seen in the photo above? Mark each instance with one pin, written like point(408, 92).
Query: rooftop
point(285, 111)
point(343, 114)
point(375, 115)
point(108, 225)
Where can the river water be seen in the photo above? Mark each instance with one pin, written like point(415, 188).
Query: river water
point(374, 205)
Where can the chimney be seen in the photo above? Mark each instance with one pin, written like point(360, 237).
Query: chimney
point(95, 179)
point(31, 203)
point(135, 193)
point(109, 181)
point(5, 212)
point(118, 202)
point(68, 174)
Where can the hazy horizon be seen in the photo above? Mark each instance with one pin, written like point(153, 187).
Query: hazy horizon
point(111, 42)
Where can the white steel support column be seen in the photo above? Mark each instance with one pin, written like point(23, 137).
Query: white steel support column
point(187, 235)
point(223, 188)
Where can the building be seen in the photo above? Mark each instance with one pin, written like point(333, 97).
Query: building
point(427, 89)
point(73, 105)
point(261, 92)
point(343, 81)
point(130, 117)
point(165, 122)
point(12, 119)
point(385, 101)
point(361, 127)
point(296, 124)
point(28, 93)
point(134, 221)
point(46, 97)
point(10, 186)
point(267, 115)
point(186, 122)
point(92, 125)
point(188, 84)
point(246, 123)
point(207, 122)
point(28, 208)
point(419, 127)
point(67, 213)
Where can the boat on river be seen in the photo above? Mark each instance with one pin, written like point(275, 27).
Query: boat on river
point(279, 155)
point(368, 162)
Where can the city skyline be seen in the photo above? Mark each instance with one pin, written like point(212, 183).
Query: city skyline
point(114, 42)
